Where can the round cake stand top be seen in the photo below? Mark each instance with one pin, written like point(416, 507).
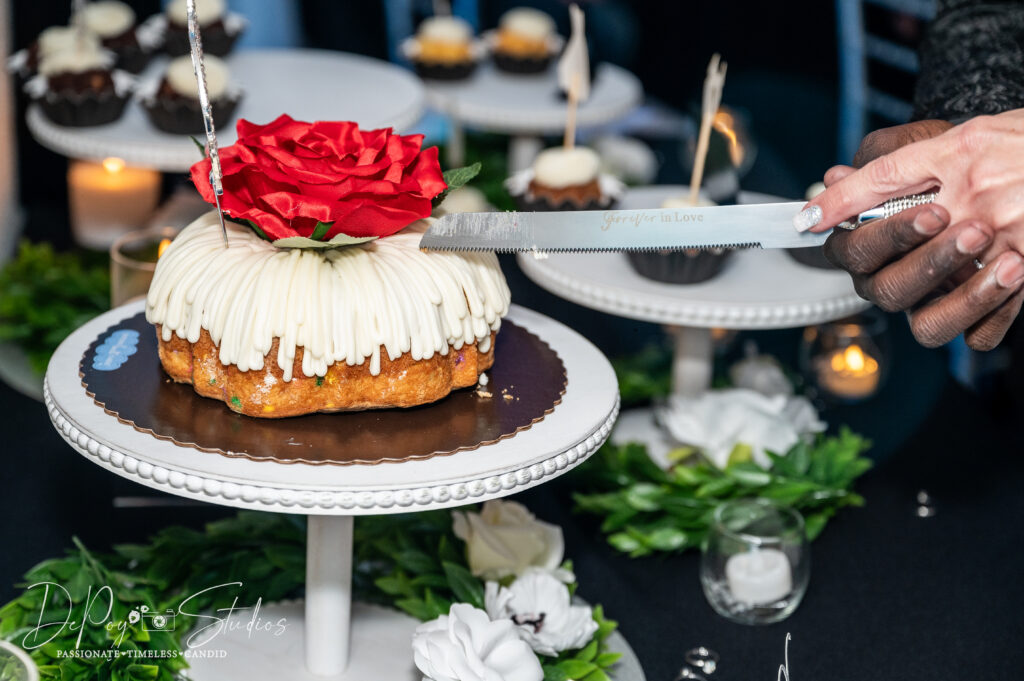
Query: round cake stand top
point(495, 101)
point(307, 84)
point(757, 289)
point(563, 439)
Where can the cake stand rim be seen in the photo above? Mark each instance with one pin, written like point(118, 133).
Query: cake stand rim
point(314, 490)
point(500, 120)
point(177, 153)
point(675, 308)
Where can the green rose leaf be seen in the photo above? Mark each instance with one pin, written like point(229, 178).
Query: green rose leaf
point(337, 241)
point(456, 178)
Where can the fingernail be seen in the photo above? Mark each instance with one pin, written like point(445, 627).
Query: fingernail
point(807, 218)
point(928, 223)
point(1010, 272)
point(971, 240)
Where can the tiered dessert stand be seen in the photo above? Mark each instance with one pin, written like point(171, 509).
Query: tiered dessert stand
point(758, 289)
point(528, 106)
point(334, 639)
point(315, 85)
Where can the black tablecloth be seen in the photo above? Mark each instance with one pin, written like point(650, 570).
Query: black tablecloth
point(891, 596)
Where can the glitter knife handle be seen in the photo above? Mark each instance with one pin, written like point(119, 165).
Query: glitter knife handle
point(889, 208)
point(216, 175)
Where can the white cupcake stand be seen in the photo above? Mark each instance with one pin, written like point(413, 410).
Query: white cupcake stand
point(331, 638)
point(527, 106)
point(309, 85)
point(757, 289)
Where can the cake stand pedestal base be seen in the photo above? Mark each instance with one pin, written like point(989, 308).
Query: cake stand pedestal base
point(639, 425)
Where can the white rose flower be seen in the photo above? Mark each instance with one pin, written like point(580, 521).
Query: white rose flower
point(719, 420)
point(465, 645)
point(505, 539)
point(761, 373)
point(541, 607)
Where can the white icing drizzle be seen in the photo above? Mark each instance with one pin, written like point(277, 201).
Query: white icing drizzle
point(182, 77)
point(528, 22)
point(341, 305)
point(108, 18)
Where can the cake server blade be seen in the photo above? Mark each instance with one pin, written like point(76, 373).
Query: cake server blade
point(767, 225)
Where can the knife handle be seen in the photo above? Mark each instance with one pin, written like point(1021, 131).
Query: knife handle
point(889, 208)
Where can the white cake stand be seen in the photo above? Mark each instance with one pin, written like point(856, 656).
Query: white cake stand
point(376, 646)
point(758, 289)
point(307, 84)
point(526, 106)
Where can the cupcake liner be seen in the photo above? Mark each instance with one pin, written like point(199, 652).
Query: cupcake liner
point(813, 256)
point(439, 71)
point(80, 110)
point(679, 267)
point(518, 187)
point(184, 117)
point(521, 65)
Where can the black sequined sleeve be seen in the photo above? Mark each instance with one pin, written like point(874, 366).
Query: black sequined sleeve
point(972, 60)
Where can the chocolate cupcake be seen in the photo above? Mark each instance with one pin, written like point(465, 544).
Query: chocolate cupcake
point(114, 24)
point(25, 63)
point(689, 266)
point(564, 179)
point(220, 28)
point(173, 105)
point(525, 41)
point(443, 49)
point(79, 88)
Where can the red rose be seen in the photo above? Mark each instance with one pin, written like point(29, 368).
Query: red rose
point(288, 176)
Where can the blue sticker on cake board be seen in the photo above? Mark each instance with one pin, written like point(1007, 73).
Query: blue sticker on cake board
point(116, 349)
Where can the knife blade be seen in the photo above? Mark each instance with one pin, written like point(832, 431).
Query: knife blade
point(759, 225)
point(767, 225)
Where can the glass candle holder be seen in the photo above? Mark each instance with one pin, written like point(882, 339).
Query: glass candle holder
point(846, 360)
point(756, 563)
point(15, 664)
point(133, 260)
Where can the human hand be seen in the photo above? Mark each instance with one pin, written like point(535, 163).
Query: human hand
point(916, 262)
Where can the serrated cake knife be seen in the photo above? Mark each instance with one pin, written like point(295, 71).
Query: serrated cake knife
point(765, 225)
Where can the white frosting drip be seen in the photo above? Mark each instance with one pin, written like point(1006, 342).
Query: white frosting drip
point(207, 11)
point(341, 305)
point(63, 38)
point(528, 22)
point(559, 167)
point(182, 77)
point(445, 29)
point(75, 61)
point(108, 18)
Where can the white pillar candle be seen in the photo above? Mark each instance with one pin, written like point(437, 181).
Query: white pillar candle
point(759, 576)
point(109, 199)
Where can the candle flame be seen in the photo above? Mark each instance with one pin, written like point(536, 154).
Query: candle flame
point(112, 164)
point(724, 123)
point(164, 243)
point(854, 361)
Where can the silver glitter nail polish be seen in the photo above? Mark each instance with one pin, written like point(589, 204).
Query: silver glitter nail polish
point(807, 218)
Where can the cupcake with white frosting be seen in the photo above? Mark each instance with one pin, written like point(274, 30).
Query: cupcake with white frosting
point(220, 28)
point(564, 179)
point(114, 23)
point(687, 266)
point(525, 41)
point(79, 87)
point(173, 105)
point(443, 48)
point(25, 63)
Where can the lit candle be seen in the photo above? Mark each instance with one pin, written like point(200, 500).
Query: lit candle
point(109, 199)
point(849, 372)
point(759, 576)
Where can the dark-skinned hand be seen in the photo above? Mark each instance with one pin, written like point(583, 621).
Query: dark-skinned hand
point(917, 262)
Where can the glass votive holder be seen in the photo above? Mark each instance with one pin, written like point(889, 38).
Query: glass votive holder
point(15, 664)
point(756, 563)
point(846, 361)
point(133, 260)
